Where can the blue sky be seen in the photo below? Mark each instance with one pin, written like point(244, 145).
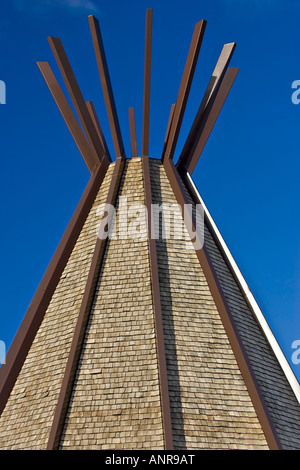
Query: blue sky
point(248, 174)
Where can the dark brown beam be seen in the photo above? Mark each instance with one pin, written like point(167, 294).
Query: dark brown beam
point(80, 329)
point(168, 126)
point(224, 311)
point(208, 98)
point(205, 108)
point(212, 117)
point(34, 316)
point(160, 343)
point(147, 79)
point(210, 120)
point(132, 129)
point(106, 87)
point(70, 119)
point(219, 70)
point(76, 97)
point(96, 122)
point(184, 88)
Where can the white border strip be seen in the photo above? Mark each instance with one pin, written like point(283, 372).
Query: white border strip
point(252, 303)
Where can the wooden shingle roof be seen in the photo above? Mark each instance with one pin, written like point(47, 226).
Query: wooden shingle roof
point(144, 342)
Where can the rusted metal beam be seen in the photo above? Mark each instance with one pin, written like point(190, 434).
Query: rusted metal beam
point(160, 343)
point(96, 122)
point(132, 129)
point(209, 109)
point(224, 311)
point(106, 87)
point(147, 79)
point(83, 316)
point(34, 316)
point(76, 97)
point(70, 119)
point(184, 89)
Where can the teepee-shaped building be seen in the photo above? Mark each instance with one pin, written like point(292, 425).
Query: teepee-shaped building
point(135, 339)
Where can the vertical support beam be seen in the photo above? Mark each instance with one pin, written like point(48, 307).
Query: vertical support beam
point(225, 314)
point(219, 71)
point(106, 87)
point(212, 117)
point(206, 103)
point(76, 96)
point(91, 160)
point(184, 88)
point(96, 122)
point(205, 124)
point(39, 304)
point(147, 79)
point(80, 329)
point(171, 115)
point(163, 377)
point(132, 129)
point(160, 344)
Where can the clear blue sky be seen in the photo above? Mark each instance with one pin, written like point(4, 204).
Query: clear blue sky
point(249, 172)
